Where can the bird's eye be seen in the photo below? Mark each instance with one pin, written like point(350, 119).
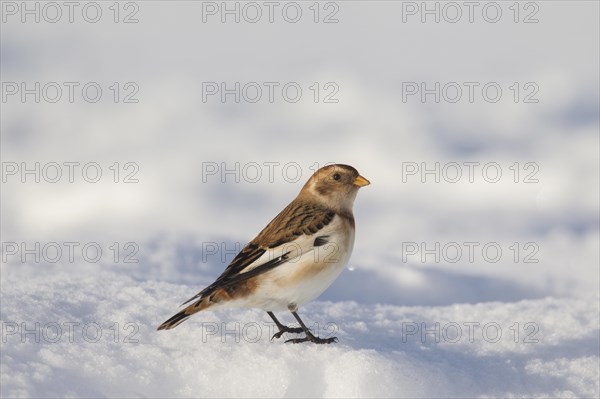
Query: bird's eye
point(337, 176)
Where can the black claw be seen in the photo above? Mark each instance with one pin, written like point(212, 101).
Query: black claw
point(296, 340)
point(286, 329)
point(297, 330)
point(313, 339)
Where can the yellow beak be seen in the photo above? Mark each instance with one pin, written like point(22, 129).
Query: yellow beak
point(361, 181)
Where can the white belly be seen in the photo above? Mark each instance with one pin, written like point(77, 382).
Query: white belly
point(305, 277)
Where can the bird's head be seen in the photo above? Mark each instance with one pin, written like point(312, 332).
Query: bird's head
point(334, 186)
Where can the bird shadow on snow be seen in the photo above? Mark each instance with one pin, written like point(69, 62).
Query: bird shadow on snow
point(436, 288)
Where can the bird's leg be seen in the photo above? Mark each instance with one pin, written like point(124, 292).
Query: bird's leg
point(309, 336)
point(283, 328)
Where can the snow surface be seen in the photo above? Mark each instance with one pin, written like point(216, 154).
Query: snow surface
point(229, 353)
point(396, 315)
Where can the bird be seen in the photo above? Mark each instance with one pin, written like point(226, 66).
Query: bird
point(294, 259)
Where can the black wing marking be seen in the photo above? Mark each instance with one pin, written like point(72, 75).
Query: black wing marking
point(230, 277)
point(247, 255)
point(321, 240)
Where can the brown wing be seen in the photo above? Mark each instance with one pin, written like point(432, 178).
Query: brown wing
point(295, 220)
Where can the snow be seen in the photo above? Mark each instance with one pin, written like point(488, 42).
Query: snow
point(95, 336)
point(410, 322)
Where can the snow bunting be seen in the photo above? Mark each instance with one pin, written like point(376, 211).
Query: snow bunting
point(292, 260)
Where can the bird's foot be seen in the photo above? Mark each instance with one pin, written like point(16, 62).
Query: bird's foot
point(286, 329)
point(312, 338)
